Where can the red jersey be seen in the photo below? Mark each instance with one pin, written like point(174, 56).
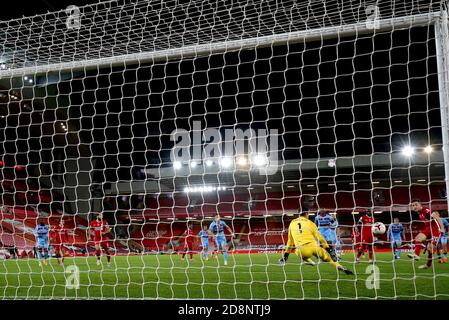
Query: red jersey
point(99, 227)
point(424, 219)
point(426, 224)
point(59, 235)
point(190, 236)
point(366, 222)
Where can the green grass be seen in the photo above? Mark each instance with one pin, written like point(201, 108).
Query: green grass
point(255, 276)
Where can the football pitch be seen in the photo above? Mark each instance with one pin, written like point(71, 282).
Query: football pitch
point(252, 276)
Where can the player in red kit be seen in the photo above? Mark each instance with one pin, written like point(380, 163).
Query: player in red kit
point(59, 236)
point(366, 236)
point(430, 227)
point(356, 238)
point(99, 229)
point(188, 243)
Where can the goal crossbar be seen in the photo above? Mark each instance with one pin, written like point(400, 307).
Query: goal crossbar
point(381, 25)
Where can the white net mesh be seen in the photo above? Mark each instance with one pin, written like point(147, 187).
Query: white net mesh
point(163, 115)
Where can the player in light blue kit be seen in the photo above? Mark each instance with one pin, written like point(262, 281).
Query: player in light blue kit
point(41, 232)
point(204, 236)
point(327, 226)
point(217, 228)
point(442, 242)
point(395, 235)
point(334, 237)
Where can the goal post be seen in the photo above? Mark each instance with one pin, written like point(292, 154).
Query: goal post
point(442, 49)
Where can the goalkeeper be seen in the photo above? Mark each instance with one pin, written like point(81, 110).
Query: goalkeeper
point(302, 239)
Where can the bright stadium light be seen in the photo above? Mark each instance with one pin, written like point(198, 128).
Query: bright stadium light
point(242, 161)
point(428, 149)
point(408, 151)
point(202, 189)
point(209, 163)
point(260, 160)
point(177, 165)
point(226, 162)
point(193, 164)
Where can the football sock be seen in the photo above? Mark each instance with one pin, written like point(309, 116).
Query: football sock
point(418, 248)
point(108, 255)
point(430, 258)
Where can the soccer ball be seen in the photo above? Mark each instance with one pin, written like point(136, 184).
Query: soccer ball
point(379, 228)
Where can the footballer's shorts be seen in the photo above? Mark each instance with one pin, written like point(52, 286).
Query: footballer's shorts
point(396, 242)
point(102, 242)
point(326, 233)
point(188, 246)
point(367, 239)
point(310, 250)
point(431, 232)
point(220, 242)
point(332, 237)
point(442, 240)
point(205, 244)
point(42, 244)
point(57, 247)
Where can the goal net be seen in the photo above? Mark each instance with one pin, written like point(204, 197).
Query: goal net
point(162, 149)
